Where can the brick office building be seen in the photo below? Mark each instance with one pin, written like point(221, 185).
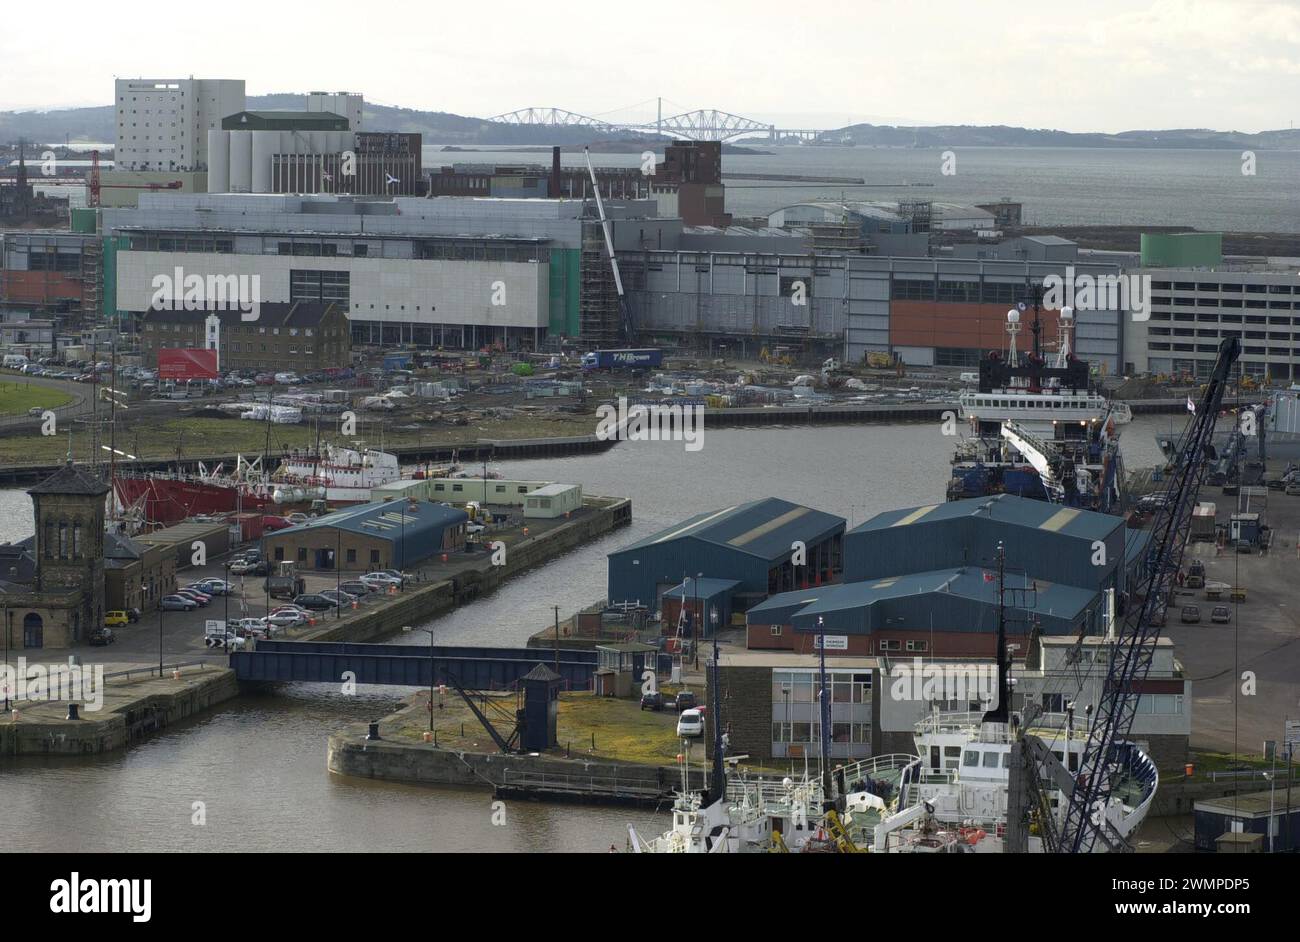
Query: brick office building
point(300, 335)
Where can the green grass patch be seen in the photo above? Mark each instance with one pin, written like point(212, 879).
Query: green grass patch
point(18, 397)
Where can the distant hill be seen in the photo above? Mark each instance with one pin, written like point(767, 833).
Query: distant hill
point(440, 127)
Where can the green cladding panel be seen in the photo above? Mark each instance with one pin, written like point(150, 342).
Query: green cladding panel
point(1182, 249)
point(565, 291)
point(109, 274)
point(85, 220)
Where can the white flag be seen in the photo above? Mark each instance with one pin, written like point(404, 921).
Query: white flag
point(1191, 406)
point(391, 179)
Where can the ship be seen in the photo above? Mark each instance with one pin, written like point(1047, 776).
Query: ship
point(1074, 427)
point(334, 477)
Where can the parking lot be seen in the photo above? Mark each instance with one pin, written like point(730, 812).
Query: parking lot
point(1245, 673)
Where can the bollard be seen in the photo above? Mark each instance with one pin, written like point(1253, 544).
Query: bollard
point(176, 674)
point(373, 732)
point(428, 736)
point(73, 713)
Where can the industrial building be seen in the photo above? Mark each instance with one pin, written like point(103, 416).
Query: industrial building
point(765, 546)
point(51, 272)
point(163, 124)
point(1193, 309)
point(1046, 542)
point(384, 535)
point(447, 272)
point(309, 335)
point(949, 613)
point(1254, 823)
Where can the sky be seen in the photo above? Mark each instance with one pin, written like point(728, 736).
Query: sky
point(1100, 65)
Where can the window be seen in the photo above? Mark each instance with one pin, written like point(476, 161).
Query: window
point(776, 631)
point(302, 554)
point(890, 644)
point(279, 553)
point(352, 556)
point(374, 557)
point(990, 760)
point(971, 759)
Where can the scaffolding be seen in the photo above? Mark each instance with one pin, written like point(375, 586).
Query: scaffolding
point(92, 280)
point(599, 317)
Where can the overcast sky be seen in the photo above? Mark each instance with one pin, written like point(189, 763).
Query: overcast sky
point(1099, 65)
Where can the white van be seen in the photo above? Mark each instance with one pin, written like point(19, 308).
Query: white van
point(14, 361)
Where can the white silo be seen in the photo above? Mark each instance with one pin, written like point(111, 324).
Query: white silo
point(265, 144)
point(218, 161)
point(241, 161)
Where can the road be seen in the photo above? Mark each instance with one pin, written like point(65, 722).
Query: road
point(82, 400)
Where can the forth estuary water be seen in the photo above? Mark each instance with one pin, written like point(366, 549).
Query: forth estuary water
point(1205, 189)
point(258, 762)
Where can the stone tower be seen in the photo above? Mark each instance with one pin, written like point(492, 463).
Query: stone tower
point(69, 509)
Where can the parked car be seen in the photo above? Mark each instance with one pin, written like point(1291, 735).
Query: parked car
point(652, 701)
point(1191, 615)
point(213, 587)
point(101, 636)
point(356, 587)
point(177, 603)
point(344, 599)
point(315, 603)
point(1221, 615)
point(378, 581)
point(200, 598)
point(36, 412)
point(394, 574)
point(685, 701)
point(115, 619)
point(283, 619)
point(690, 723)
point(224, 638)
point(243, 567)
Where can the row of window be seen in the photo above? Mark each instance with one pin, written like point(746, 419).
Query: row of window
point(239, 329)
point(1256, 303)
point(1214, 348)
point(972, 291)
point(1044, 403)
point(811, 732)
point(1230, 288)
point(62, 540)
point(800, 686)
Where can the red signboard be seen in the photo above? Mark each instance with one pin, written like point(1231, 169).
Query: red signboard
point(187, 363)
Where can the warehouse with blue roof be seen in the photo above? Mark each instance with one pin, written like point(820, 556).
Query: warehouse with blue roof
point(383, 535)
point(1046, 541)
point(949, 613)
point(738, 555)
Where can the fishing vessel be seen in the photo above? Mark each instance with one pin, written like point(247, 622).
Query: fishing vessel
point(336, 475)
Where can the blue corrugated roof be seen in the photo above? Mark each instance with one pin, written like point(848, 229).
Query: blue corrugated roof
point(763, 528)
point(1004, 508)
point(801, 608)
point(388, 520)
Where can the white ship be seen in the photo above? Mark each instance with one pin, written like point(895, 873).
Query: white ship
point(339, 476)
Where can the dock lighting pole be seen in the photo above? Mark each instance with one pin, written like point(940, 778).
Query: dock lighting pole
point(557, 639)
point(338, 570)
point(429, 632)
point(824, 711)
point(696, 620)
point(226, 591)
point(160, 640)
point(7, 619)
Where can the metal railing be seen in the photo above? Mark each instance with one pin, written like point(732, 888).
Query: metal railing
point(582, 784)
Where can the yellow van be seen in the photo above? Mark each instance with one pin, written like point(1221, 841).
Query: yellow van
point(115, 619)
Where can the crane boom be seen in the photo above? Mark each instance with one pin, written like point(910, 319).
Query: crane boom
point(1101, 766)
point(1056, 472)
point(609, 246)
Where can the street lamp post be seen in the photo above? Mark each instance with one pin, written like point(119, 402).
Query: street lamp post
point(429, 632)
point(226, 591)
point(160, 640)
point(8, 616)
point(338, 571)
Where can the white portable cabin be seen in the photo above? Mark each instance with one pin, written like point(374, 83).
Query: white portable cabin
point(553, 500)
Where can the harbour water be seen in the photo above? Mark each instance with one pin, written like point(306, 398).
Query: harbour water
point(258, 763)
point(1057, 185)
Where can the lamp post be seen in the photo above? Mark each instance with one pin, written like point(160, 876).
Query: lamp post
point(226, 591)
point(429, 632)
point(824, 709)
point(8, 616)
point(160, 640)
point(338, 571)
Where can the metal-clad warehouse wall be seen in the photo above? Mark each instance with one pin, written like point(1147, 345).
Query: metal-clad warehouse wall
point(752, 543)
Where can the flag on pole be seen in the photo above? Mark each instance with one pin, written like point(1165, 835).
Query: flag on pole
point(1191, 406)
point(390, 179)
